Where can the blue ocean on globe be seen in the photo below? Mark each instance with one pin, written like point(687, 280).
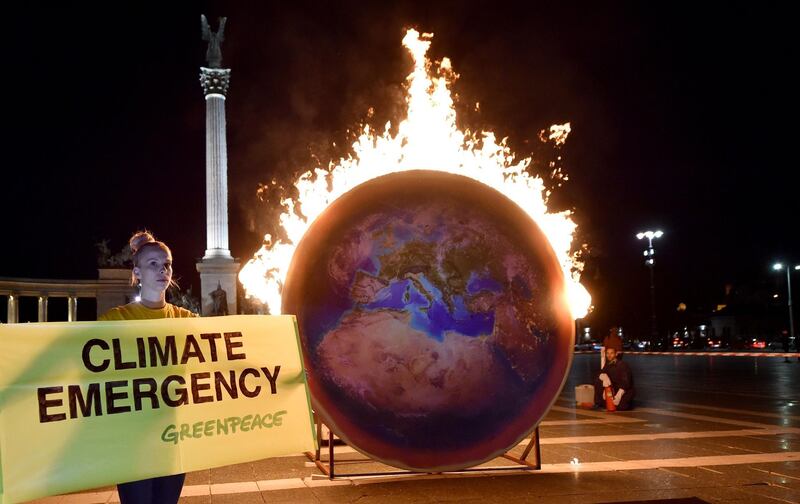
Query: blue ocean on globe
point(434, 317)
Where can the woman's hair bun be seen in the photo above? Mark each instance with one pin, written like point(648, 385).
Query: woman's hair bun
point(139, 239)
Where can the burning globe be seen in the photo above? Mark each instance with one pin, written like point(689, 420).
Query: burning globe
point(434, 306)
point(433, 320)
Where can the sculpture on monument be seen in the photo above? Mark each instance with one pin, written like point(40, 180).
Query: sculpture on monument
point(184, 299)
point(219, 301)
point(214, 39)
point(107, 259)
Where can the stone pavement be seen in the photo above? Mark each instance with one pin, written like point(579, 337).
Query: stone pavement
point(720, 429)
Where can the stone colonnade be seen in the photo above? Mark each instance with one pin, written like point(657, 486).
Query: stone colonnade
point(12, 310)
point(111, 289)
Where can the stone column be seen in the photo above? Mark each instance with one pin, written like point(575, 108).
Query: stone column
point(12, 311)
point(215, 86)
point(72, 308)
point(42, 308)
point(218, 267)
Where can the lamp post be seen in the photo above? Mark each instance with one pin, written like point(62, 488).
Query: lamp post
point(650, 261)
point(778, 267)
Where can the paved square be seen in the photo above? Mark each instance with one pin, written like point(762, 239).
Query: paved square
point(715, 428)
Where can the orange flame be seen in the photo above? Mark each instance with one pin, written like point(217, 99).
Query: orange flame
point(426, 139)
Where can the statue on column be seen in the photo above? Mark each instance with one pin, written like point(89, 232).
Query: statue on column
point(214, 39)
point(219, 301)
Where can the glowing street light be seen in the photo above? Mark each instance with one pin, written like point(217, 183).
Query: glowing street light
point(650, 261)
point(778, 267)
point(650, 235)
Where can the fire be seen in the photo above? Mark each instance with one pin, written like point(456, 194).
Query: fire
point(426, 139)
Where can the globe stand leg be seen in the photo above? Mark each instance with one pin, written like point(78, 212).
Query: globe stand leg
point(327, 467)
point(533, 445)
point(317, 457)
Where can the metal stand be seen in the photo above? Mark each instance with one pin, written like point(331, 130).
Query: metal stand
point(328, 468)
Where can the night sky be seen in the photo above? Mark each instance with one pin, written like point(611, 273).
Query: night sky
point(682, 119)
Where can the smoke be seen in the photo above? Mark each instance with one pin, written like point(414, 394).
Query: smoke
point(296, 100)
point(304, 81)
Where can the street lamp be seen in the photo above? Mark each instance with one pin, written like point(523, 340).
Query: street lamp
point(778, 267)
point(650, 261)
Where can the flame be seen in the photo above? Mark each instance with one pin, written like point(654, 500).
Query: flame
point(558, 133)
point(426, 139)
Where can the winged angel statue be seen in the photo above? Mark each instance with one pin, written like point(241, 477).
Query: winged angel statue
point(214, 39)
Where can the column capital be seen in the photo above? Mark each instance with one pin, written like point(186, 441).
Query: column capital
point(215, 80)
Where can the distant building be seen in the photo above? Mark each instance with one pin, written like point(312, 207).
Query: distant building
point(745, 312)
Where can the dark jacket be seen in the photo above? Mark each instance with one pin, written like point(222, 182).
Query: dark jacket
point(620, 374)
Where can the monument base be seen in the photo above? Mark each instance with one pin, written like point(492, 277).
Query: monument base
point(217, 275)
point(114, 288)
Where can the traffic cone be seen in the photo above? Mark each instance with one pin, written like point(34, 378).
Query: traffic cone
point(609, 395)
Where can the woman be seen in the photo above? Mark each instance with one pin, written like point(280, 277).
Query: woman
point(152, 272)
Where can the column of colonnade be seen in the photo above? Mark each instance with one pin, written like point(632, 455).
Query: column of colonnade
point(13, 309)
point(72, 308)
point(42, 308)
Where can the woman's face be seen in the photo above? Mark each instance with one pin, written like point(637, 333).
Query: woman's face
point(154, 271)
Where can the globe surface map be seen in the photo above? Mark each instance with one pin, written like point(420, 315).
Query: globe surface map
point(432, 319)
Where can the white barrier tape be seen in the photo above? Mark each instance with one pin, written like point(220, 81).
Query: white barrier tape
point(709, 354)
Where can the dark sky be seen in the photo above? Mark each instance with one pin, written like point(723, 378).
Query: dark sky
point(682, 119)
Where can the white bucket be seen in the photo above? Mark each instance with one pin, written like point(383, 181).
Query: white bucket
point(584, 396)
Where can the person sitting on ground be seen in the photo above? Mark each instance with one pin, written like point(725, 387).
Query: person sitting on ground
point(617, 376)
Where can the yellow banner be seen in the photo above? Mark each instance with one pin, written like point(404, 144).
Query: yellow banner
point(90, 404)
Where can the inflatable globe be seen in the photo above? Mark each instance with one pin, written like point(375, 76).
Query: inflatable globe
point(433, 320)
